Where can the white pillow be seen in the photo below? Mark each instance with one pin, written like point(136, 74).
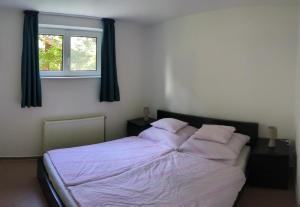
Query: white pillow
point(215, 133)
point(169, 124)
point(167, 138)
point(214, 150)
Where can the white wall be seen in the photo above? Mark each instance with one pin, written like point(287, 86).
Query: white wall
point(236, 63)
point(20, 129)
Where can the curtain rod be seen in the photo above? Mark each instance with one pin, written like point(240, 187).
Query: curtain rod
point(70, 15)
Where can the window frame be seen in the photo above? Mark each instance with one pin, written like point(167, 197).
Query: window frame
point(67, 33)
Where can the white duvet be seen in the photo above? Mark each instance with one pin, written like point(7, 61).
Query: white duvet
point(173, 180)
point(94, 162)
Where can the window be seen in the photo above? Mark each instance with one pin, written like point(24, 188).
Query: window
point(69, 52)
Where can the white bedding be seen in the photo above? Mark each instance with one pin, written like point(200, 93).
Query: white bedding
point(175, 180)
point(68, 199)
point(93, 162)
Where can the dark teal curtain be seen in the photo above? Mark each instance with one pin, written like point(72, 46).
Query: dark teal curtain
point(30, 80)
point(109, 91)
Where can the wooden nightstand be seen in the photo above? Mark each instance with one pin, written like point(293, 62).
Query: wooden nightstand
point(269, 167)
point(135, 126)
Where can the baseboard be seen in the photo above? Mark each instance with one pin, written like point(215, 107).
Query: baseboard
point(21, 158)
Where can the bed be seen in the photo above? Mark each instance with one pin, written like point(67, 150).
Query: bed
point(83, 191)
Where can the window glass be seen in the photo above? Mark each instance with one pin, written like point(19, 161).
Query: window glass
point(51, 52)
point(83, 53)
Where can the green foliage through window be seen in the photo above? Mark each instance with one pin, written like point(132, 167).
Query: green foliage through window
point(51, 52)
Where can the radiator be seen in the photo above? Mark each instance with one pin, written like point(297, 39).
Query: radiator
point(73, 132)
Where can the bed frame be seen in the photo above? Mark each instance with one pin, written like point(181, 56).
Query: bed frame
point(250, 129)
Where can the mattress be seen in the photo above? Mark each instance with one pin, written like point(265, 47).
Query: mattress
point(57, 183)
point(243, 158)
point(69, 201)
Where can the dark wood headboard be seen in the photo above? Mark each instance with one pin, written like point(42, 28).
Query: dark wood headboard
point(247, 128)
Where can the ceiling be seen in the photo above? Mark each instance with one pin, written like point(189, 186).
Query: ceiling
point(143, 11)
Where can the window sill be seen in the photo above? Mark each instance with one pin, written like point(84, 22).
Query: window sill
point(69, 77)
